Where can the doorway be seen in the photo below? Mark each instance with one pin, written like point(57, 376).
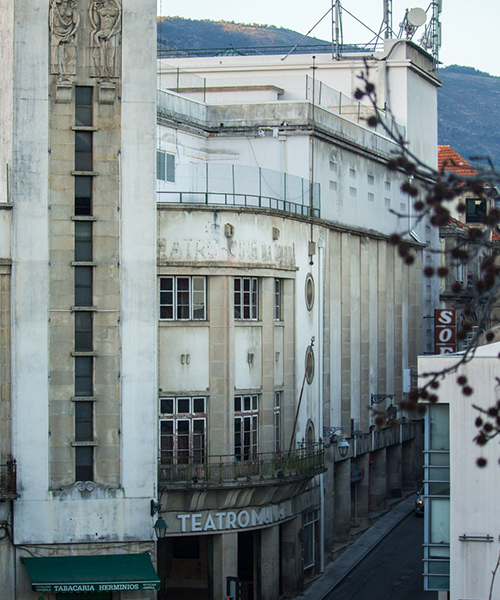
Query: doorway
point(248, 564)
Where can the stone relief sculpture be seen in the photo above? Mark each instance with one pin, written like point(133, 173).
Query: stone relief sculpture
point(63, 24)
point(105, 17)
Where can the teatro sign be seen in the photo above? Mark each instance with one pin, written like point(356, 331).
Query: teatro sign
point(205, 522)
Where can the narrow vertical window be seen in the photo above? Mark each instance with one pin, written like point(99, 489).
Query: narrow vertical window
point(83, 331)
point(84, 426)
point(83, 286)
point(83, 195)
point(83, 151)
point(83, 106)
point(83, 241)
point(84, 463)
point(278, 316)
point(83, 375)
point(277, 421)
point(246, 426)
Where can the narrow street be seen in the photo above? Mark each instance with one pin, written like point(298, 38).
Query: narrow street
point(392, 570)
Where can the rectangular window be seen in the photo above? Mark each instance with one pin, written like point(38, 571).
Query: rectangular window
point(83, 331)
point(84, 463)
point(309, 538)
point(83, 151)
point(246, 426)
point(83, 375)
point(165, 166)
point(476, 210)
point(277, 421)
point(83, 241)
point(183, 430)
point(246, 294)
point(278, 300)
point(83, 106)
point(84, 426)
point(183, 298)
point(83, 195)
point(83, 286)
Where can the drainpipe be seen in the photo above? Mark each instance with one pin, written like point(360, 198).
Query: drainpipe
point(321, 398)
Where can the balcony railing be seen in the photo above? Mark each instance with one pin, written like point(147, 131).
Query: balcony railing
point(214, 184)
point(8, 479)
point(227, 471)
point(246, 200)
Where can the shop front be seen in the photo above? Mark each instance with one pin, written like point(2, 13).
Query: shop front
point(92, 577)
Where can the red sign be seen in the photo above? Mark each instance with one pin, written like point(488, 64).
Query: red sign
point(445, 330)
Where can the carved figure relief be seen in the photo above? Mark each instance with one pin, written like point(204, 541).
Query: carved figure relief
point(105, 17)
point(63, 23)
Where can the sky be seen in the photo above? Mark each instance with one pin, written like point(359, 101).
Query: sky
point(469, 27)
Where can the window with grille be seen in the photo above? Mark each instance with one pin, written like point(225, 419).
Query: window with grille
point(183, 298)
point(246, 426)
point(246, 297)
point(183, 423)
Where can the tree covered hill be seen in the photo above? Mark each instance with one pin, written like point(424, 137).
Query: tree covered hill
point(469, 112)
point(468, 101)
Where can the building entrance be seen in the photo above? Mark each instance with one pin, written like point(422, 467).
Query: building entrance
point(183, 568)
point(248, 564)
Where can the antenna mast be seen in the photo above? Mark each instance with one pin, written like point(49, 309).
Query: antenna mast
point(387, 19)
point(337, 33)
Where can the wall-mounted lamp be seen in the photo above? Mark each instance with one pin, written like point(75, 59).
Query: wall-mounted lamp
point(154, 508)
point(378, 398)
point(392, 412)
point(160, 528)
point(250, 358)
point(343, 447)
point(330, 433)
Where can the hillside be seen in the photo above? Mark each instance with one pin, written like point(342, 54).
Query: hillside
point(187, 36)
point(469, 100)
point(469, 112)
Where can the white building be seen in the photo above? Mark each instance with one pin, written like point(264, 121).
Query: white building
point(461, 516)
point(192, 346)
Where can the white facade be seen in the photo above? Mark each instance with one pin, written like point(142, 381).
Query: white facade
point(470, 522)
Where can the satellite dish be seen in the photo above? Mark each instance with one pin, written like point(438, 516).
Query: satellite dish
point(416, 17)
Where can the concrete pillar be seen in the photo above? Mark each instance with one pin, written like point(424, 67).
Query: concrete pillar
point(378, 481)
point(362, 491)
point(412, 464)
point(342, 501)
point(291, 561)
point(269, 563)
point(225, 561)
point(394, 468)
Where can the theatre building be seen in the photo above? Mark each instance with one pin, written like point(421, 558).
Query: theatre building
point(198, 302)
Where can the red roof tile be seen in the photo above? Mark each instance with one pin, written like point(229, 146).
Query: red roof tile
point(450, 160)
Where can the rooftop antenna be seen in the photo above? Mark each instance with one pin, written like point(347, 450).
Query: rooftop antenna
point(337, 31)
point(387, 19)
point(431, 39)
point(413, 19)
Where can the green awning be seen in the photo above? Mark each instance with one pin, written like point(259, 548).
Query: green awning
point(85, 574)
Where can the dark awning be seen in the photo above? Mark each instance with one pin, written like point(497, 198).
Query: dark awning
point(81, 574)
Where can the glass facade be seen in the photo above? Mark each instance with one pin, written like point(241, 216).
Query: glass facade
point(437, 498)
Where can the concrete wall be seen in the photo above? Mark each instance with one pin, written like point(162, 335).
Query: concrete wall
point(116, 507)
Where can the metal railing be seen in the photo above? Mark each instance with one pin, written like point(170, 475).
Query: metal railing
point(245, 200)
point(217, 184)
point(228, 471)
point(8, 479)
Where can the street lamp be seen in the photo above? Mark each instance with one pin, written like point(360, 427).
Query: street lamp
point(343, 447)
point(160, 528)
